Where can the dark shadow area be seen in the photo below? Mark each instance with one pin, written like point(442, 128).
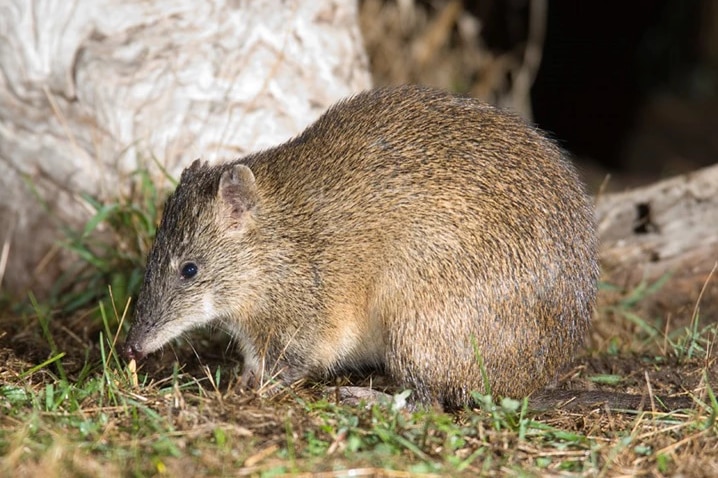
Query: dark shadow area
point(631, 86)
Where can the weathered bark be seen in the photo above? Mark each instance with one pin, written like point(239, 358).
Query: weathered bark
point(92, 90)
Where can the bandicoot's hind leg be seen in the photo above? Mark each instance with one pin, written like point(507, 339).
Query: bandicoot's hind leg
point(444, 358)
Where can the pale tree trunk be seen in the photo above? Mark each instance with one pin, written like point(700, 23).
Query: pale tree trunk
point(92, 90)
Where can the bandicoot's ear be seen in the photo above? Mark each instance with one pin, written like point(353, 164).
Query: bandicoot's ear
point(238, 190)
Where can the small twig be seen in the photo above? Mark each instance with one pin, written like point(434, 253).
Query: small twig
point(60, 117)
point(650, 392)
point(602, 188)
point(4, 254)
point(260, 455)
point(696, 308)
point(532, 57)
point(122, 319)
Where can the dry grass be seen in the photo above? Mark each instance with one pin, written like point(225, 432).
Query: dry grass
point(69, 407)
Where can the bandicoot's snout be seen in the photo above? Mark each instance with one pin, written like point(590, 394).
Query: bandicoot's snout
point(138, 340)
point(132, 352)
point(132, 349)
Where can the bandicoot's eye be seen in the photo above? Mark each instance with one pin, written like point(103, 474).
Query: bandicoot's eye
point(188, 270)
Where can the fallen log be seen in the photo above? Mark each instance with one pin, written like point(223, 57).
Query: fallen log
point(666, 229)
point(656, 228)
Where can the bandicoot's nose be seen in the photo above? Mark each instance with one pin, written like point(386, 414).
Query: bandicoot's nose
point(132, 351)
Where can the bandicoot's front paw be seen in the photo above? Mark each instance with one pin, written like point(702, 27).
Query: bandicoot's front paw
point(264, 384)
point(249, 379)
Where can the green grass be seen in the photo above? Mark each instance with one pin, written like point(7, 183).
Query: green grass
point(111, 249)
point(70, 407)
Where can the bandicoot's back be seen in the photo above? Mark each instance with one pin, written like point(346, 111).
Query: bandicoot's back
point(406, 228)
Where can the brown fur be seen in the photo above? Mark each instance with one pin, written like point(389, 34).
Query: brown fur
point(407, 228)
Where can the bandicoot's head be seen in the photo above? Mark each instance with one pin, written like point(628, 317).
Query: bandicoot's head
point(200, 256)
